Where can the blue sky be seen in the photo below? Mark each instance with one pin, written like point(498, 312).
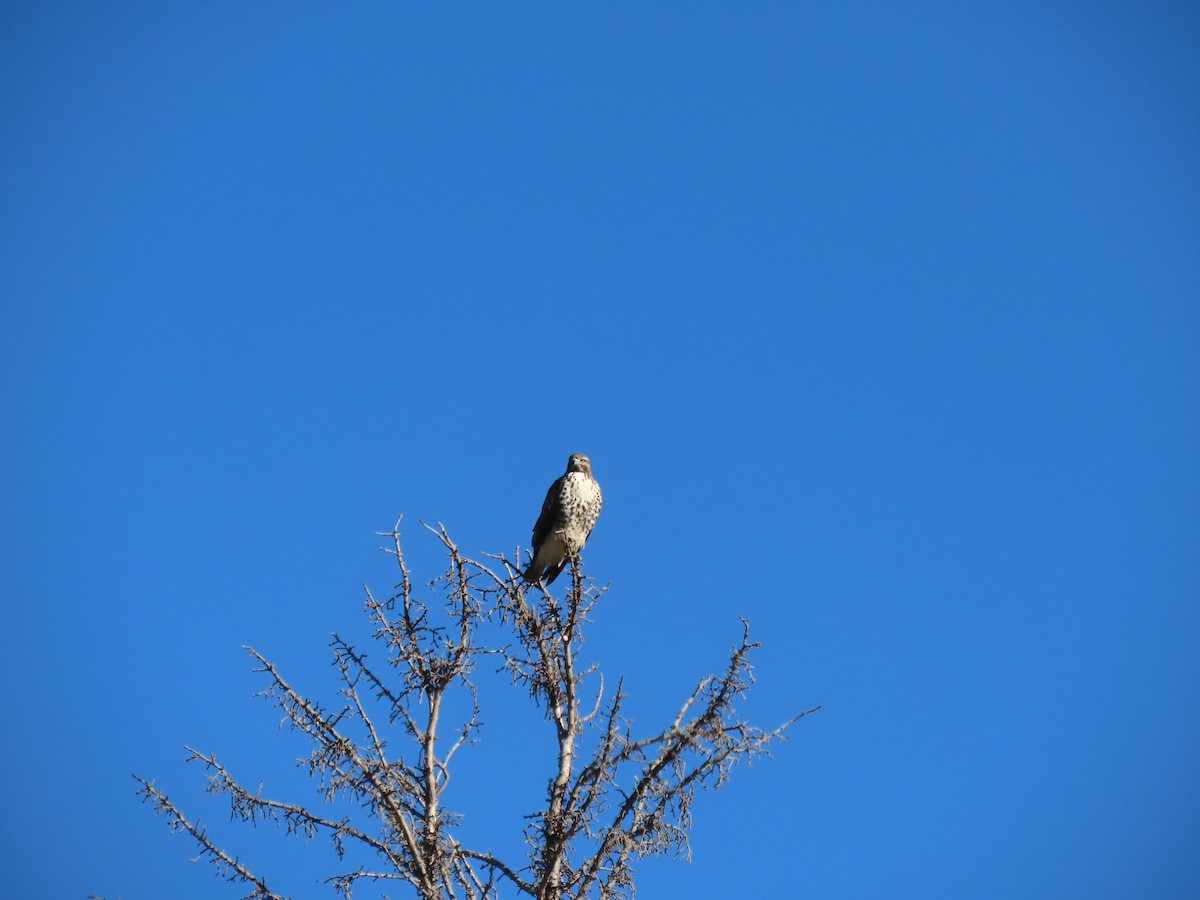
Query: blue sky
point(878, 321)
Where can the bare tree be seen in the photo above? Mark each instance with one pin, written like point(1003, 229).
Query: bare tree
point(611, 799)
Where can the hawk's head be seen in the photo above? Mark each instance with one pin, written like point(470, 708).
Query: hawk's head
point(579, 463)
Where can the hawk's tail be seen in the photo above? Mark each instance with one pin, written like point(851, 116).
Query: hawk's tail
point(545, 575)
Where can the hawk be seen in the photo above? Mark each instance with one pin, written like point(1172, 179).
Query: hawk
point(570, 510)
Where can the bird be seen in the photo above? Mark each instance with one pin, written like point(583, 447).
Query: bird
point(569, 513)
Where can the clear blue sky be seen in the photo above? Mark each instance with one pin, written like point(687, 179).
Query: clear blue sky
point(880, 323)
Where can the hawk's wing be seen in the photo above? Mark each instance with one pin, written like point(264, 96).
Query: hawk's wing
point(550, 514)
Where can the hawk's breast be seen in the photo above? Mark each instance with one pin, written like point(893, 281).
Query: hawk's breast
point(580, 508)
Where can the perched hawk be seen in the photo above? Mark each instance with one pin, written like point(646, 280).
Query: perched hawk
point(571, 508)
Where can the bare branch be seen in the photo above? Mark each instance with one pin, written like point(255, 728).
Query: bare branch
point(228, 867)
point(385, 750)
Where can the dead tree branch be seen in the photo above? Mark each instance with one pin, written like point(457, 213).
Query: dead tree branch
point(611, 798)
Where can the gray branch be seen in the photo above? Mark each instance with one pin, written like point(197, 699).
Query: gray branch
point(611, 798)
